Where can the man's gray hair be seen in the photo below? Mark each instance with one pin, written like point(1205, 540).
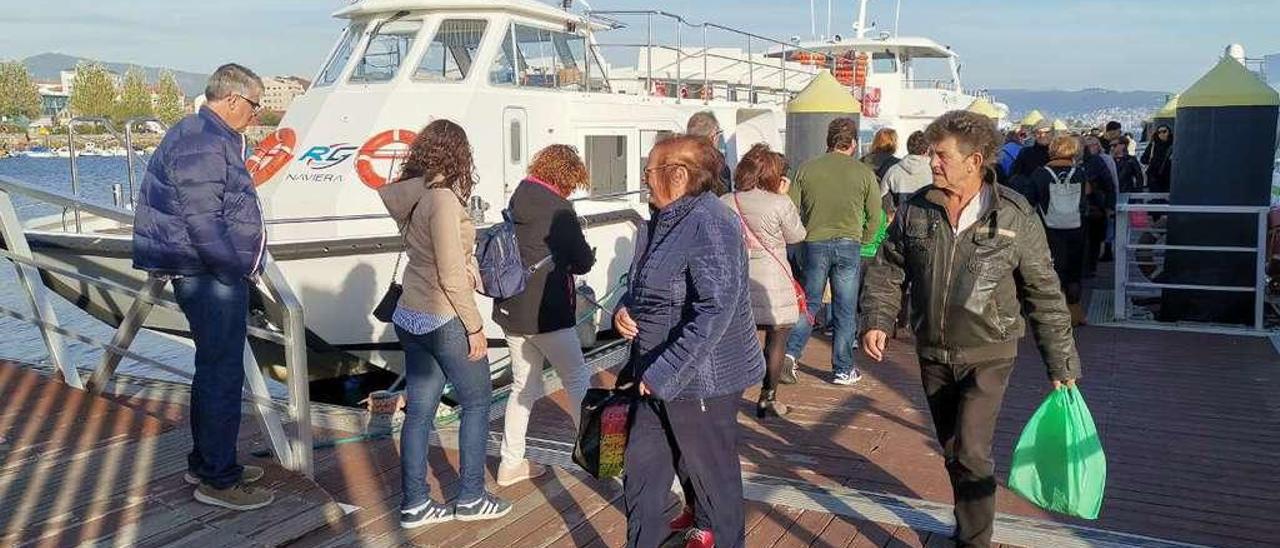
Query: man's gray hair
point(703, 124)
point(231, 79)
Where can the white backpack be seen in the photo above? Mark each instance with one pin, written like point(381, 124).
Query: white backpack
point(1064, 201)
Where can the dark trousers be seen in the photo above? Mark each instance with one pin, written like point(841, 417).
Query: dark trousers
point(775, 348)
point(218, 315)
point(1097, 235)
point(964, 401)
point(1067, 248)
point(702, 437)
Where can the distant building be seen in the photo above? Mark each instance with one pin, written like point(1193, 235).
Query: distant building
point(54, 101)
point(278, 92)
point(68, 79)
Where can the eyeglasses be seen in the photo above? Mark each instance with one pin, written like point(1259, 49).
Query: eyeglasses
point(645, 176)
point(257, 107)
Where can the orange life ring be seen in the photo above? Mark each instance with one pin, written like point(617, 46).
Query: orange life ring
point(372, 150)
point(271, 155)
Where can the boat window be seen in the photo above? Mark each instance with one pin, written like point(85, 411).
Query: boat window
point(606, 157)
point(884, 63)
point(386, 52)
point(452, 52)
point(333, 69)
point(516, 144)
point(541, 58)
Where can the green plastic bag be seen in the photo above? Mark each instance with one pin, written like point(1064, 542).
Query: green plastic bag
point(1058, 463)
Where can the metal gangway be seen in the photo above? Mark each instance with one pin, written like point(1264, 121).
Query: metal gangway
point(290, 443)
point(1140, 252)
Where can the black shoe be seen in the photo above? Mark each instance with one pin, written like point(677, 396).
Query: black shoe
point(1107, 255)
point(768, 405)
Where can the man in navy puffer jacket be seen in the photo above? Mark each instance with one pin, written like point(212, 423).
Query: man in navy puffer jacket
point(199, 223)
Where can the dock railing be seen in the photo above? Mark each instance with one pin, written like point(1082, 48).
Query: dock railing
point(293, 450)
point(1137, 263)
point(719, 82)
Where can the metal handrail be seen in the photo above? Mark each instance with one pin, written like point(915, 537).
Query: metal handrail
point(128, 147)
point(380, 216)
point(1122, 282)
point(62, 199)
point(609, 19)
point(295, 454)
point(71, 150)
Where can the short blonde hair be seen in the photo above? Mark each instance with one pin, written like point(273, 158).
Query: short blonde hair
point(1064, 147)
point(886, 140)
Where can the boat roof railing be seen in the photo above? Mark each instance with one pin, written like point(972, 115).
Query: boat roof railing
point(764, 79)
point(909, 47)
point(529, 8)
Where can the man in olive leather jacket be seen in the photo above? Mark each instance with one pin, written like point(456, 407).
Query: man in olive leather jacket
point(974, 254)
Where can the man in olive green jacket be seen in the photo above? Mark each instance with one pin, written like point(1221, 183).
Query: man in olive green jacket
point(839, 202)
point(974, 253)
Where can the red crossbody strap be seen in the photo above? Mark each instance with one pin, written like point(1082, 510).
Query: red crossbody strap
point(786, 268)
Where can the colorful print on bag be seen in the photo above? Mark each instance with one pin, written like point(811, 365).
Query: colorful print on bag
point(613, 439)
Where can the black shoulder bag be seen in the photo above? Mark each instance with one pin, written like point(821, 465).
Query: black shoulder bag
point(387, 306)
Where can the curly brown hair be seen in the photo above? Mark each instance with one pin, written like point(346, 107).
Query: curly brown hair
point(760, 167)
point(441, 155)
point(561, 167)
point(972, 131)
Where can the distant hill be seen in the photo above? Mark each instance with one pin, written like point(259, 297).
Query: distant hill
point(1091, 106)
point(46, 66)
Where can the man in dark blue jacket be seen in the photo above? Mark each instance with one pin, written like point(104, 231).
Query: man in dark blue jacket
point(198, 222)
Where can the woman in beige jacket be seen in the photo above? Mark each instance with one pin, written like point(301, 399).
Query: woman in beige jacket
point(770, 222)
point(439, 325)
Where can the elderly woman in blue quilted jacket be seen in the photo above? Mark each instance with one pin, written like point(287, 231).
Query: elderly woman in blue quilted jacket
point(694, 350)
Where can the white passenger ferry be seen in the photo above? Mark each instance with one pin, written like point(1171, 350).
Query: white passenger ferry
point(518, 75)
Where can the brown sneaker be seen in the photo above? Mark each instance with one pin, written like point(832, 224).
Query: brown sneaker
point(250, 474)
point(237, 497)
point(523, 470)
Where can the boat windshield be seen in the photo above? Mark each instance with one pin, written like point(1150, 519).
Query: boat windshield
point(333, 69)
point(546, 59)
point(929, 73)
point(452, 51)
point(386, 52)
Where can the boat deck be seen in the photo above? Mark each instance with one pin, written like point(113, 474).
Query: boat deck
point(1190, 424)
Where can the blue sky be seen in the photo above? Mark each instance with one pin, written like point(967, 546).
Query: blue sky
point(1135, 44)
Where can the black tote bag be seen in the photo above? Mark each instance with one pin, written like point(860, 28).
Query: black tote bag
point(602, 434)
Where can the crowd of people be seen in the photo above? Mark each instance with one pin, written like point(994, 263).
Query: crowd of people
point(1074, 180)
point(958, 241)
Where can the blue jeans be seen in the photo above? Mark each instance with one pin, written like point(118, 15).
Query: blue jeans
point(430, 360)
point(836, 261)
point(218, 315)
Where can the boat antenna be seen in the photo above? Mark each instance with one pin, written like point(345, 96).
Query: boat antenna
point(828, 18)
point(860, 28)
point(813, 22)
point(897, 12)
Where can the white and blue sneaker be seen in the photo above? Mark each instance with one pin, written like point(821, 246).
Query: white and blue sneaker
point(847, 379)
point(425, 514)
point(483, 508)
